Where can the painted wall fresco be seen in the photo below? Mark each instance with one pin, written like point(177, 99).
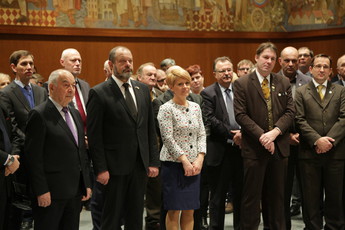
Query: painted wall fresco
point(185, 15)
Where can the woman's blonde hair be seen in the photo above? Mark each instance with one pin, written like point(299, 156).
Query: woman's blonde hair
point(174, 73)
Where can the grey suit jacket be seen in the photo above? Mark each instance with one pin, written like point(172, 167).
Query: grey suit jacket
point(16, 103)
point(316, 118)
point(252, 114)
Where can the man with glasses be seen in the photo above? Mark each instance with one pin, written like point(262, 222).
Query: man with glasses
point(320, 109)
point(288, 61)
point(304, 59)
point(223, 160)
point(244, 67)
point(265, 111)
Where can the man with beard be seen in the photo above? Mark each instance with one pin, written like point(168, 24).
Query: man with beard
point(288, 60)
point(122, 142)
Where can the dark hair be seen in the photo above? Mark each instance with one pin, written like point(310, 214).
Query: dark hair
point(194, 69)
point(17, 55)
point(266, 45)
point(112, 53)
point(220, 59)
point(323, 56)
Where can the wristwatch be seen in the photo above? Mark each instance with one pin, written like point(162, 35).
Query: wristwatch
point(10, 160)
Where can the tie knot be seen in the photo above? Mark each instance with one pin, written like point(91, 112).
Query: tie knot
point(65, 109)
point(227, 90)
point(27, 87)
point(126, 85)
point(320, 87)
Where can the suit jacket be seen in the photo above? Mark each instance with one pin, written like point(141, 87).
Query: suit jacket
point(85, 89)
point(55, 162)
point(252, 114)
point(115, 137)
point(16, 103)
point(316, 118)
point(339, 82)
point(217, 119)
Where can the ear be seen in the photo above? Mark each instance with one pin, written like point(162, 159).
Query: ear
point(13, 67)
point(280, 60)
point(62, 62)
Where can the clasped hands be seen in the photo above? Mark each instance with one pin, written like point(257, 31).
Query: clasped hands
point(323, 144)
point(267, 139)
point(194, 168)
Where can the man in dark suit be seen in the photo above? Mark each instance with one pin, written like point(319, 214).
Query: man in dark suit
point(10, 143)
point(122, 142)
point(223, 159)
point(19, 98)
point(147, 74)
point(56, 157)
point(320, 117)
point(264, 109)
point(288, 60)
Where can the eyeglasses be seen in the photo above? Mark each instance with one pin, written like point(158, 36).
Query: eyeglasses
point(243, 69)
point(161, 80)
point(318, 67)
point(304, 55)
point(294, 61)
point(224, 71)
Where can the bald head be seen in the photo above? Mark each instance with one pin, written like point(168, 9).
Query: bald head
point(288, 61)
point(71, 61)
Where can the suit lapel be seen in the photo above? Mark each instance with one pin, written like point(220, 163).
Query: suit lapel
point(118, 94)
point(256, 84)
point(139, 97)
point(19, 94)
point(329, 94)
point(219, 95)
point(313, 92)
point(60, 120)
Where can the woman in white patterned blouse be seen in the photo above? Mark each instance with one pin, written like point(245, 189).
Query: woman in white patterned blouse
point(183, 151)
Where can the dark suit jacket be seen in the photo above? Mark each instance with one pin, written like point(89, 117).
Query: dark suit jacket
point(16, 103)
point(339, 82)
point(115, 137)
point(55, 162)
point(316, 119)
point(217, 119)
point(252, 114)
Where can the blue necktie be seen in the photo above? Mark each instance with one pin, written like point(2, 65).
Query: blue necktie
point(29, 96)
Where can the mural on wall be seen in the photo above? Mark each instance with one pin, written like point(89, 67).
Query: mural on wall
point(188, 15)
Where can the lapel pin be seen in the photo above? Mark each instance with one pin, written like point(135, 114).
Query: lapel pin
point(137, 87)
point(279, 94)
point(330, 92)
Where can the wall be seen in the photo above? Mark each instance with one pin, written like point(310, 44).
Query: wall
point(152, 46)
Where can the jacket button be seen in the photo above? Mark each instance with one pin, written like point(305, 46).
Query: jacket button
point(191, 146)
point(190, 134)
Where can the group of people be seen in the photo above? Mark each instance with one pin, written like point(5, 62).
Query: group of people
point(159, 139)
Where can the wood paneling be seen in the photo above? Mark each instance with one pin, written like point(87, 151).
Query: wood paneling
point(153, 46)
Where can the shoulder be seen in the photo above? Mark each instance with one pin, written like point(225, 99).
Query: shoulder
point(209, 89)
point(8, 89)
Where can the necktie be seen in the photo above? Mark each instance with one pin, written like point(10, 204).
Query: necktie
point(7, 142)
point(265, 88)
point(319, 90)
point(230, 110)
point(29, 96)
point(80, 107)
point(151, 95)
point(70, 124)
point(129, 100)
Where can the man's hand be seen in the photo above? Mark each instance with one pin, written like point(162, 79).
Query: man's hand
point(237, 137)
point(13, 167)
point(197, 164)
point(153, 172)
point(324, 144)
point(44, 200)
point(103, 177)
point(269, 137)
point(294, 139)
point(88, 194)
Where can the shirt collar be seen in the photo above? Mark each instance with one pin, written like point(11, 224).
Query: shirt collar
point(316, 84)
point(261, 78)
point(120, 83)
point(18, 82)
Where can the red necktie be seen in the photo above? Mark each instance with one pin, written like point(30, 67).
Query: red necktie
point(80, 108)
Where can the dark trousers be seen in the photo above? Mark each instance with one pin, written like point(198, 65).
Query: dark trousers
point(264, 180)
point(330, 174)
point(96, 204)
point(219, 178)
point(60, 215)
point(125, 190)
point(292, 187)
point(153, 201)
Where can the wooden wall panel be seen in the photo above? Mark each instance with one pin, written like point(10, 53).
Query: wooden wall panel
point(186, 48)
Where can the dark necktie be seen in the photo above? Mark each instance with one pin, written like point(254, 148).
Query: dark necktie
point(129, 100)
point(7, 142)
point(230, 110)
point(29, 96)
point(80, 107)
point(70, 124)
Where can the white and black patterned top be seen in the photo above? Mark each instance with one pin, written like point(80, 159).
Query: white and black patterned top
point(182, 131)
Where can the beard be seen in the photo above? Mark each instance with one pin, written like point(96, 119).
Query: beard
point(124, 76)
